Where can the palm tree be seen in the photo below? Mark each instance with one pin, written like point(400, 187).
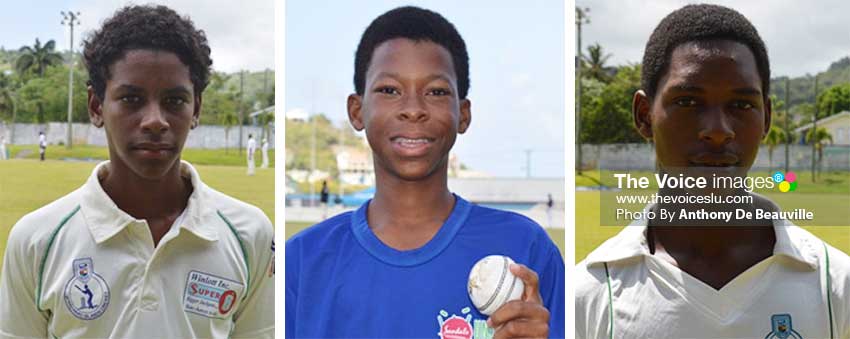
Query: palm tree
point(776, 136)
point(594, 63)
point(7, 101)
point(227, 119)
point(819, 137)
point(37, 58)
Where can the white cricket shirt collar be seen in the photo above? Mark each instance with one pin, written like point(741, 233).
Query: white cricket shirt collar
point(631, 243)
point(105, 219)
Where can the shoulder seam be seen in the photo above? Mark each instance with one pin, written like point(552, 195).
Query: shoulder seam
point(46, 252)
point(244, 253)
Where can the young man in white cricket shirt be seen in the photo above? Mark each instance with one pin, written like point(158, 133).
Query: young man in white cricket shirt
point(704, 103)
point(144, 249)
point(252, 148)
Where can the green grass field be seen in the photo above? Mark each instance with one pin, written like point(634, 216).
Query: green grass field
point(216, 157)
point(830, 193)
point(557, 235)
point(26, 185)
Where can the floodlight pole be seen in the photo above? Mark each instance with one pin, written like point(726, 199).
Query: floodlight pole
point(71, 19)
point(814, 131)
point(581, 17)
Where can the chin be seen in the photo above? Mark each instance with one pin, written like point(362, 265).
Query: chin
point(152, 171)
point(414, 172)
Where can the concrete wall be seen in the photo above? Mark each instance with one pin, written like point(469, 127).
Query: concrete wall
point(201, 137)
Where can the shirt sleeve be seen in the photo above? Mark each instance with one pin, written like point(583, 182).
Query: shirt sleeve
point(255, 317)
point(552, 291)
point(293, 264)
point(19, 314)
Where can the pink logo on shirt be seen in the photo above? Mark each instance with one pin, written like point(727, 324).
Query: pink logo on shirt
point(456, 328)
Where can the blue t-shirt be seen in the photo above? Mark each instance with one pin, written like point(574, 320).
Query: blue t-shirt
point(343, 282)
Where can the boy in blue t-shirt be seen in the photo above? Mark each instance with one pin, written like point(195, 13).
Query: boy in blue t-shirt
point(398, 266)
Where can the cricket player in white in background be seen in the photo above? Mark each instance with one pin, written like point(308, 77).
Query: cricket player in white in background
point(3, 155)
point(144, 249)
point(252, 148)
point(265, 150)
point(42, 145)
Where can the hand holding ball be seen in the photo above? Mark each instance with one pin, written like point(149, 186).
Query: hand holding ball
point(491, 284)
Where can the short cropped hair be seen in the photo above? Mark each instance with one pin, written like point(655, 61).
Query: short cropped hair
point(146, 27)
point(700, 23)
point(416, 24)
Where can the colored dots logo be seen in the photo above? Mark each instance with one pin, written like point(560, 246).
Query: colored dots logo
point(787, 182)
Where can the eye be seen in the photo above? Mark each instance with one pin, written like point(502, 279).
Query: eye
point(744, 105)
point(131, 99)
point(387, 90)
point(685, 102)
point(174, 101)
point(439, 92)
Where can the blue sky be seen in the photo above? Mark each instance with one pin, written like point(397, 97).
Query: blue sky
point(241, 34)
point(516, 52)
point(801, 38)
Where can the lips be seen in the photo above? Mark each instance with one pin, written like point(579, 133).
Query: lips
point(711, 159)
point(153, 150)
point(411, 145)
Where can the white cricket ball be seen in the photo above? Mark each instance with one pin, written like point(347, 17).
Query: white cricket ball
point(491, 284)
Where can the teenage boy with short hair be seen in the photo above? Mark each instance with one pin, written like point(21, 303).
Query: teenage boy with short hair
point(704, 103)
point(143, 249)
point(398, 266)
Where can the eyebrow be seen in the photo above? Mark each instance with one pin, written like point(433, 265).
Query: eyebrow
point(747, 91)
point(687, 88)
point(398, 76)
point(696, 89)
point(178, 90)
point(130, 88)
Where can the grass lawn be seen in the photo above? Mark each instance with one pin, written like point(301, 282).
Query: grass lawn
point(26, 185)
point(557, 235)
point(217, 157)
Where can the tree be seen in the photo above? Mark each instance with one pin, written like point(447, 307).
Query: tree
point(818, 138)
point(220, 98)
point(227, 119)
point(7, 97)
point(776, 136)
point(607, 108)
point(7, 102)
point(594, 63)
point(834, 100)
point(37, 58)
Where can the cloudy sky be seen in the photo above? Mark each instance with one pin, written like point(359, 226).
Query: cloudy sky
point(516, 52)
point(241, 33)
point(801, 38)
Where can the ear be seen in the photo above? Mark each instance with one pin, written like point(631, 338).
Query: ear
point(355, 112)
point(95, 106)
point(465, 115)
point(641, 108)
point(196, 115)
point(768, 116)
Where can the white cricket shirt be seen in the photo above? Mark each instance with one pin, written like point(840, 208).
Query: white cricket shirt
point(622, 291)
point(82, 268)
point(252, 147)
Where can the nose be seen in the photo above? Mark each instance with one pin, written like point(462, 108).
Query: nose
point(413, 109)
point(715, 128)
point(153, 119)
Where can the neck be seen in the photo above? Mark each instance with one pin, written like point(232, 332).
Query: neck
point(406, 214)
point(144, 198)
point(711, 241)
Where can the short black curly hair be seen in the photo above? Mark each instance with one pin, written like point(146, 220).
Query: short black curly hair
point(146, 27)
point(416, 24)
point(700, 23)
